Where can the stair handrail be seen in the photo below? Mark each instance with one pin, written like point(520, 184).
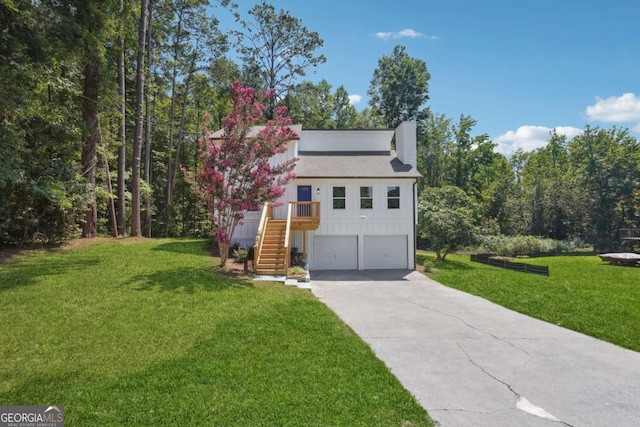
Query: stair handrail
point(287, 252)
point(262, 226)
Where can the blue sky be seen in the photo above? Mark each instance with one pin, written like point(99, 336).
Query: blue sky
point(519, 68)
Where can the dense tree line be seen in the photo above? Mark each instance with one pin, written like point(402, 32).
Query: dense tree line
point(585, 189)
point(101, 102)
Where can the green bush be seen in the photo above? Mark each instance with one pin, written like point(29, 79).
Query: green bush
point(524, 245)
point(241, 254)
point(428, 265)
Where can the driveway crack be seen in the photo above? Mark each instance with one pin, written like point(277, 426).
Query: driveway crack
point(521, 402)
point(470, 326)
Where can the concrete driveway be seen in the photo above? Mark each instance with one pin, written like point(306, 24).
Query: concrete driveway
point(470, 362)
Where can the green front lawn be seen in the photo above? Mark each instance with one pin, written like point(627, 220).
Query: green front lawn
point(149, 333)
point(582, 293)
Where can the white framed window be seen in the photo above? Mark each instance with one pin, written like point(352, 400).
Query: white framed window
point(366, 197)
point(393, 197)
point(339, 198)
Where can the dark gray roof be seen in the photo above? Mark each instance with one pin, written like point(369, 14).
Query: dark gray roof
point(352, 164)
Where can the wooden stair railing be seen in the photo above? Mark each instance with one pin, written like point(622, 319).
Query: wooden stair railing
point(272, 254)
point(272, 260)
point(267, 212)
point(287, 252)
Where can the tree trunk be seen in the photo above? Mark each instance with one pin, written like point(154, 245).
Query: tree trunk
point(111, 206)
point(224, 253)
point(136, 229)
point(90, 119)
point(173, 167)
point(172, 114)
point(147, 148)
point(122, 150)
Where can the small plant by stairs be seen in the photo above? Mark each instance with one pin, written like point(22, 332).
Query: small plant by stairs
point(273, 255)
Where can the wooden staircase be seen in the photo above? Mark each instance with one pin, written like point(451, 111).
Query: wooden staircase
point(272, 259)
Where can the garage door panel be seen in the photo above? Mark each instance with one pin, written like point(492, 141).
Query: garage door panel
point(335, 253)
point(381, 252)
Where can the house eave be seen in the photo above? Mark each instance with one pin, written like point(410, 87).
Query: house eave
point(413, 178)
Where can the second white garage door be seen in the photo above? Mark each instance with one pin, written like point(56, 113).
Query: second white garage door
point(335, 252)
point(385, 252)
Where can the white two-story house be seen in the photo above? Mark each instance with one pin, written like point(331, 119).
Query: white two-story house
point(351, 206)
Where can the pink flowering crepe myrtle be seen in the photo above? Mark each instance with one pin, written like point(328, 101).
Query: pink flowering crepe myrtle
point(237, 174)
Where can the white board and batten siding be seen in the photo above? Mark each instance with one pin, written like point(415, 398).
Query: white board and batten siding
point(355, 238)
point(351, 140)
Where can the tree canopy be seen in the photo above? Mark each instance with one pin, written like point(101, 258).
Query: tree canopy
point(399, 87)
point(277, 49)
point(446, 219)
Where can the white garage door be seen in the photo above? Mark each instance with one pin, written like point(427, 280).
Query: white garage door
point(385, 252)
point(335, 253)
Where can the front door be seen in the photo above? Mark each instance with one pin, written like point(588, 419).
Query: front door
point(304, 195)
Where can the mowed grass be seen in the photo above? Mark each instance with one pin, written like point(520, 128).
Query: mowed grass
point(582, 293)
point(148, 333)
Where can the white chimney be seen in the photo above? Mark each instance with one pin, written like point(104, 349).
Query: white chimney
point(406, 143)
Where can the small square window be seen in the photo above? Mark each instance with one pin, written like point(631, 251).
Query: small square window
point(393, 197)
point(339, 198)
point(366, 197)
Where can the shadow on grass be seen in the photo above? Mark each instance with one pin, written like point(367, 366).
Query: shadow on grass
point(26, 272)
point(252, 370)
point(188, 280)
point(196, 387)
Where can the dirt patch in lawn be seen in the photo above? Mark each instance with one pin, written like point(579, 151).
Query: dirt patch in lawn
point(7, 253)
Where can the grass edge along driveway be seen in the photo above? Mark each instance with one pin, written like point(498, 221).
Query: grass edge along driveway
point(148, 332)
point(582, 293)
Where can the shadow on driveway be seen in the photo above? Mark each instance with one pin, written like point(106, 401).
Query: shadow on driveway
point(364, 275)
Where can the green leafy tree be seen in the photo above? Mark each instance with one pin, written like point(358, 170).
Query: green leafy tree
point(344, 114)
point(315, 107)
point(607, 165)
point(399, 87)
point(43, 196)
point(446, 219)
point(311, 105)
point(491, 183)
point(277, 49)
point(369, 118)
point(459, 151)
point(192, 43)
point(434, 138)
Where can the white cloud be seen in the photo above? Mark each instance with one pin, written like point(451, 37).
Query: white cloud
point(383, 35)
point(529, 138)
point(355, 99)
point(569, 131)
point(625, 108)
point(406, 33)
